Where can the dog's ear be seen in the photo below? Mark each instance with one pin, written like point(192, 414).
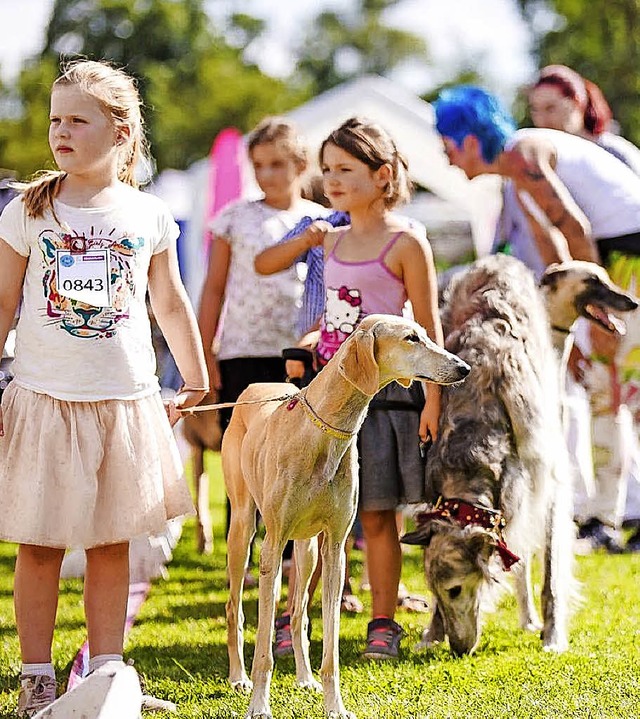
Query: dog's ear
point(551, 275)
point(421, 535)
point(481, 547)
point(358, 363)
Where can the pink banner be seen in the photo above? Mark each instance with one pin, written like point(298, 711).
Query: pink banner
point(226, 162)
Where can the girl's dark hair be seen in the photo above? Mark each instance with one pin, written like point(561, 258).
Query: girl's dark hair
point(370, 143)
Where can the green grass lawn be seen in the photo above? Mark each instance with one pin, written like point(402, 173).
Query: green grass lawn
point(179, 648)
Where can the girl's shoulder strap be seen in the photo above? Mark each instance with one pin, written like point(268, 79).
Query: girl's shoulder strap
point(340, 235)
point(389, 245)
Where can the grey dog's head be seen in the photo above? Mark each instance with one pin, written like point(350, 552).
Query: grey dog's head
point(460, 568)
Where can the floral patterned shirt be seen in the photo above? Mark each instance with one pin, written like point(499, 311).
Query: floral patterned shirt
point(260, 312)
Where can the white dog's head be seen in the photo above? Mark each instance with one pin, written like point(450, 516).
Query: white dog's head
point(385, 348)
point(583, 289)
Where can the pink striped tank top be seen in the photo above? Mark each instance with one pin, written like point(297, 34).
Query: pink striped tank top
point(354, 290)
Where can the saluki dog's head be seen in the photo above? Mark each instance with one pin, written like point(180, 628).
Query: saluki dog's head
point(583, 289)
point(461, 565)
point(385, 348)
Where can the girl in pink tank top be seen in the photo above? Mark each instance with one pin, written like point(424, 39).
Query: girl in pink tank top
point(353, 291)
point(376, 265)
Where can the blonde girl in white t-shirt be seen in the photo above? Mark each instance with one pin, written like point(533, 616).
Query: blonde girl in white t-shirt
point(87, 456)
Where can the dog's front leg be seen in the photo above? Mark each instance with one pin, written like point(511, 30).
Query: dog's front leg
point(203, 513)
point(529, 618)
point(306, 554)
point(558, 574)
point(241, 530)
point(434, 633)
point(269, 588)
point(333, 567)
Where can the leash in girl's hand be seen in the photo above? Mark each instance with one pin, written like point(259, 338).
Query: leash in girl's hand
point(225, 405)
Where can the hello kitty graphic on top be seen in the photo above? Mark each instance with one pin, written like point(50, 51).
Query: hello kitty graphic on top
point(343, 309)
point(343, 312)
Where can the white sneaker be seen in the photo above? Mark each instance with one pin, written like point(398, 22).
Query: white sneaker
point(36, 693)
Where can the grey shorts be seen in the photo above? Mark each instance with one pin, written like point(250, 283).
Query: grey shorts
point(392, 472)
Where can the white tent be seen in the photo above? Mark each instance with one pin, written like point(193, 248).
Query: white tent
point(408, 119)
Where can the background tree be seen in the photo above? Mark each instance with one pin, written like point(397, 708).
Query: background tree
point(24, 128)
point(193, 81)
point(339, 45)
point(600, 40)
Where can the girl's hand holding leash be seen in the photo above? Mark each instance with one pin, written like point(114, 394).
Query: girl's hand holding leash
point(428, 430)
point(185, 398)
point(314, 234)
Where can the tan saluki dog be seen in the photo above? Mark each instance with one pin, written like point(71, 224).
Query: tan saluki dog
point(296, 461)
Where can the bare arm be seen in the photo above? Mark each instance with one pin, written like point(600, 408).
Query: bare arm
point(177, 321)
point(537, 178)
point(281, 256)
point(12, 270)
point(551, 243)
point(420, 281)
point(212, 299)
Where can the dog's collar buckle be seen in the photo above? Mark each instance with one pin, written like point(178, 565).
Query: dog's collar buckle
point(466, 513)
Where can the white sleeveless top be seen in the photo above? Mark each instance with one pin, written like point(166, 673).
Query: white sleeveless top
point(605, 189)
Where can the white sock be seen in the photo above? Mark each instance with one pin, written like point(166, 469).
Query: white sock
point(97, 661)
point(46, 669)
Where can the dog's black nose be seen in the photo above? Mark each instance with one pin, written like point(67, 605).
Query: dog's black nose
point(464, 369)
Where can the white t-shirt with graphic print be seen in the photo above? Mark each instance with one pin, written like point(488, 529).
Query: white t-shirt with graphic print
point(260, 312)
point(71, 350)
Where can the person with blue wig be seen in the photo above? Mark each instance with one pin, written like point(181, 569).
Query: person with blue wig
point(466, 110)
point(581, 203)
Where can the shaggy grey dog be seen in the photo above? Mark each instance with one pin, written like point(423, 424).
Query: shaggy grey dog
point(500, 463)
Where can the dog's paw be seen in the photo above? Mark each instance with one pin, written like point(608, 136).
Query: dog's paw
point(243, 684)
point(309, 683)
point(532, 625)
point(251, 714)
point(555, 645)
point(431, 636)
point(344, 714)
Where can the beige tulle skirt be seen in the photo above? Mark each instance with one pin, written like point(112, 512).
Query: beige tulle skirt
point(82, 474)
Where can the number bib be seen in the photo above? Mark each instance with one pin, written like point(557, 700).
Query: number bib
point(84, 276)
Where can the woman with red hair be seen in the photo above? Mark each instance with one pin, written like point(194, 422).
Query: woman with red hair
point(561, 99)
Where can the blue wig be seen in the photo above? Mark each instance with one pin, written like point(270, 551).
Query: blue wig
point(467, 110)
